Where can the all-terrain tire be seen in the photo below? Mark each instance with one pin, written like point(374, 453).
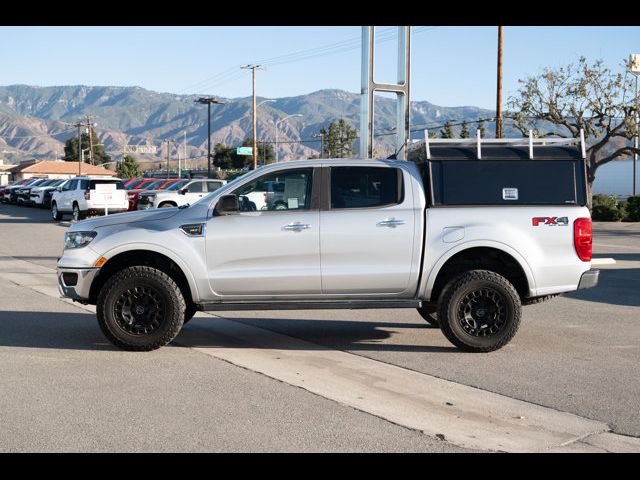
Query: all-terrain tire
point(428, 312)
point(479, 311)
point(117, 328)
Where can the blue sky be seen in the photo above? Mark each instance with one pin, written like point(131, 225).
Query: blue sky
point(451, 66)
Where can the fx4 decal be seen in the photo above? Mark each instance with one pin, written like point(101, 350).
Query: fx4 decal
point(562, 221)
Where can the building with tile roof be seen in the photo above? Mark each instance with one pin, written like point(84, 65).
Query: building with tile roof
point(57, 169)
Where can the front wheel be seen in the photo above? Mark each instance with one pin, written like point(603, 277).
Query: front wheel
point(140, 308)
point(479, 311)
point(77, 214)
point(55, 213)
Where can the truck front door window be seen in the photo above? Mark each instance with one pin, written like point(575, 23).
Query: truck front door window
point(284, 190)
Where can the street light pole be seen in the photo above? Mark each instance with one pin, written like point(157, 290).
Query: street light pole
point(499, 93)
point(321, 135)
point(634, 69)
point(278, 123)
point(209, 101)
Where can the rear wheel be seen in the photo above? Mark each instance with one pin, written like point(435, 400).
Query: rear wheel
point(140, 308)
point(479, 311)
point(55, 214)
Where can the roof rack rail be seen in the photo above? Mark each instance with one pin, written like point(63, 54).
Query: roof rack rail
point(530, 141)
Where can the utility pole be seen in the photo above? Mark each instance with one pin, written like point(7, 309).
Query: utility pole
point(208, 101)
point(79, 126)
point(253, 69)
point(90, 134)
point(499, 96)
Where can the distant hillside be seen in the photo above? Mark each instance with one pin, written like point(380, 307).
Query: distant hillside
point(35, 121)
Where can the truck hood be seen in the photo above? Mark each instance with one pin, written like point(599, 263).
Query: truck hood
point(126, 217)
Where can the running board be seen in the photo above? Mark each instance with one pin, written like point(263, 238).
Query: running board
point(309, 305)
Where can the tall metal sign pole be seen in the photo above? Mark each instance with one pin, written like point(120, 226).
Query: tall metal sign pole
point(253, 69)
point(499, 93)
point(369, 86)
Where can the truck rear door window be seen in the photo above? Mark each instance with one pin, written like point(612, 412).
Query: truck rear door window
point(365, 187)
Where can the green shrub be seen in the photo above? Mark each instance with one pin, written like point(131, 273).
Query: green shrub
point(606, 208)
point(633, 209)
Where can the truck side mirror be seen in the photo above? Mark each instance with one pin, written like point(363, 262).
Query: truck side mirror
point(227, 205)
point(59, 189)
point(182, 191)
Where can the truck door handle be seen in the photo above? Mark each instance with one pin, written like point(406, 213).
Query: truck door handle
point(296, 227)
point(390, 222)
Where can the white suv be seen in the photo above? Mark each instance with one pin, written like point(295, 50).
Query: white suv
point(180, 193)
point(79, 197)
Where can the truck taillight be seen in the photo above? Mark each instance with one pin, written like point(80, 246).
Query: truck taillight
point(86, 195)
point(582, 238)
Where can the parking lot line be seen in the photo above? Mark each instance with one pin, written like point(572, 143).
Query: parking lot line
point(461, 415)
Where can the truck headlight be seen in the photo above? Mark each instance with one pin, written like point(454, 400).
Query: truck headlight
point(151, 197)
point(78, 239)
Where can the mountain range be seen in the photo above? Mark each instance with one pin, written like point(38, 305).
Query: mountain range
point(36, 121)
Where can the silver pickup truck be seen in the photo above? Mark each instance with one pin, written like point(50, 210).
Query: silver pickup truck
point(466, 234)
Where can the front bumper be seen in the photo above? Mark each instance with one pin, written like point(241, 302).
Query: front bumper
point(75, 283)
point(589, 279)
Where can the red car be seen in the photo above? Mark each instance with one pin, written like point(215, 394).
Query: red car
point(132, 183)
point(134, 194)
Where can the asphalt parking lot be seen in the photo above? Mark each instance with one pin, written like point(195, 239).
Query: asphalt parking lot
point(66, 389)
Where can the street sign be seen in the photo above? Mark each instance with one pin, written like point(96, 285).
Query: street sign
point(244, 151)
point(140, 149)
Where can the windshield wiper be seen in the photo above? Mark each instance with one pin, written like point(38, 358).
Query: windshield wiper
point(186, 205)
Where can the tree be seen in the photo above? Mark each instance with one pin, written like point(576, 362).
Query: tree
point(129, 168)
point(464, 133)
point(585, 96)
point(228, 158)
point(71, 149)
point(483, 132)
point(222, 156)
point(338, 139)
point(447, 131)
point(266, 153)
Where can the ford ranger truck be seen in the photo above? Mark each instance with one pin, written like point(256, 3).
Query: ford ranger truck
point(466, 233)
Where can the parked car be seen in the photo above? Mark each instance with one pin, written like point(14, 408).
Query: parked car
point(48, 194)
point(79, 198)
point(133, 183)
point(11, 193)
point(134, 195)
point(24, 193)
point(179, 193)
point(38, 193)
point(466, 250)
point(16, 183)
